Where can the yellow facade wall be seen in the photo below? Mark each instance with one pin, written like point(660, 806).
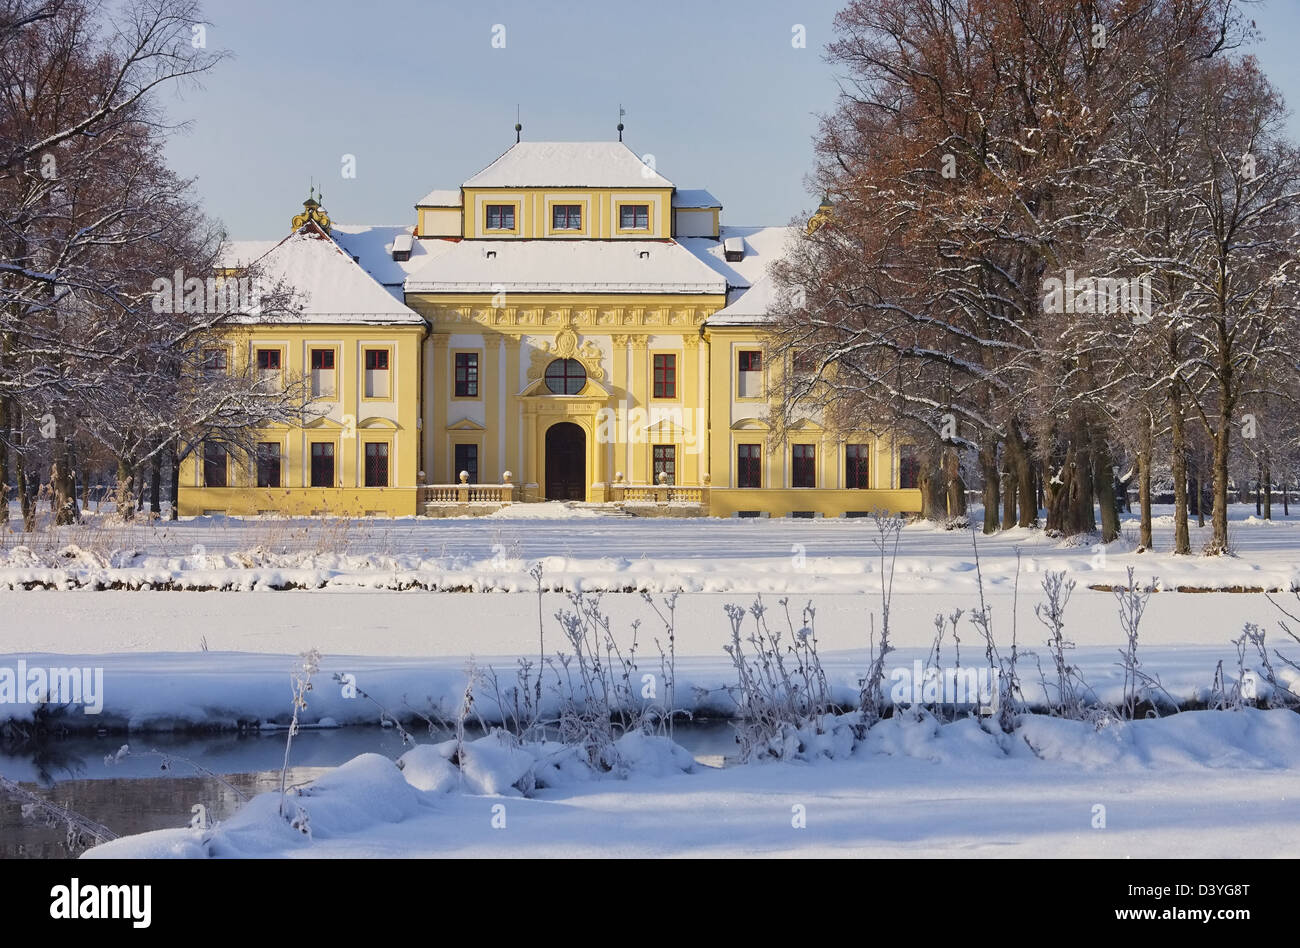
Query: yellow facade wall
point(735, 420)
point(599, 217)
point(348, 419)
point(728, 502)
point(439, 222)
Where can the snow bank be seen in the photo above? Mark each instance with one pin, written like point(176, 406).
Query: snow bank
point(371, 790)
point(913, 785)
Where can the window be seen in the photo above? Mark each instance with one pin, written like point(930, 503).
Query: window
point(749, 465)
point(750, 374)
point(322, 373)
point(467, 375)
point(566, 377)
point(322, 464)
point(214, 464)
point(909, 467)
point(634, 216)
point(857, 466)
point(803, 465)
point(268, 368)
point(268, 464)
point(467, 461)
point(665, 372)
point(376, 464)
point(664, 458)
point(566, 217)
point(214, 361)
point(376, 373)
point(500, 217)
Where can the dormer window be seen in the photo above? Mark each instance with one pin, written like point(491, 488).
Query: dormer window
point(634, 216)
point(566, 217)
point(500, 217)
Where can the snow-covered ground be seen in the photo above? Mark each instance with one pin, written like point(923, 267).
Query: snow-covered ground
point(359, 592)
point(579, 549)
point(1207, 784)
point(177, 658)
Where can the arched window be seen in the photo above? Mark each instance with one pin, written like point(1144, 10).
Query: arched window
point(566, 376)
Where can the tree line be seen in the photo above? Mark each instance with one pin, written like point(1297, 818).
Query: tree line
point(96, 365)
point(1058, 251)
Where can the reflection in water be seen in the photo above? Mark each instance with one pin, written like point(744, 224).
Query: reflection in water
point(136, 794)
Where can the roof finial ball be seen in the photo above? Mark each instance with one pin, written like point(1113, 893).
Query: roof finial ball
point(518, 128)
point(621, 113)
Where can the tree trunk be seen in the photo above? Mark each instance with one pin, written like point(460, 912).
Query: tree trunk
point(175, 471)
point(955, 485)
point(1219, 516)
point(1259, 476)
point(1200, 492)
point(1268, 485)
point(1079, 517)
point(1178, 461)
point(1104, 486)
point(1144, 490)
point(1008, 491)
point(934, 505)
point(5, 433)
point(63, 483)
point(155, 485)
point(125, 488)
point(26, 493)
point(1058, 480)
point(1024, 476)
point(988, 459)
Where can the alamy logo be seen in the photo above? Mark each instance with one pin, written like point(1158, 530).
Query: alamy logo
point(1111, 295)
point(55, 685)
point(920, 685)
point(134, 902)
point(639, 425)
point(214, 295)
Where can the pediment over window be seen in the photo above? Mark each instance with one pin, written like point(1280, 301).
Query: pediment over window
point(750, 424)
point(465, 424)
point(375, 421)
point(324, 422)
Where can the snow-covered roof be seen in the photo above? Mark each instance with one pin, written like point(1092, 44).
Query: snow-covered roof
point(440, 198)
point(566, 266)
point(372, 245)
point(568, 165)
point(694, 197)
point(762, 246)
point(240, 253)
point(330, 287)
point(750, 306)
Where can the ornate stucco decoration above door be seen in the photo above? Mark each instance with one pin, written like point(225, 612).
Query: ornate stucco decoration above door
point(566, 346)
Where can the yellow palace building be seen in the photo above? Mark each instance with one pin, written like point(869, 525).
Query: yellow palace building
point(567, 325)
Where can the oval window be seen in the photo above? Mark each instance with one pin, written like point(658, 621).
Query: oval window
point(566, 376)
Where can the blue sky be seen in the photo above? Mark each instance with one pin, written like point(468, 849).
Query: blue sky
point(714, 89)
